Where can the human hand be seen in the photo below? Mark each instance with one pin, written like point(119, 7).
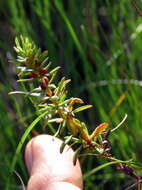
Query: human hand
point(48, 168)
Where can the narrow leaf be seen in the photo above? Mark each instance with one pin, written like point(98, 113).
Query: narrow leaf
point(54, 70)
point(125, 117)
point(65, 143)
point(57, 120)
point(75, 156)
point(25, 80)
point(93, 171)
point(99, 130)
point(81, 108)
point(25, 93)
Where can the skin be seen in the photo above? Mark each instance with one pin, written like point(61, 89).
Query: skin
point(48, 168)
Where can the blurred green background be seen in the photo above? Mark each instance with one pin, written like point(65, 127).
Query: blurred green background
point(98, 44)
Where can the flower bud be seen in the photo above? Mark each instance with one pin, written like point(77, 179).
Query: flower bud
point(42, 71)
point(33, 75)
point(44, 83)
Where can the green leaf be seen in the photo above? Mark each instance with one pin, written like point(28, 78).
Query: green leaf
point(17, 92)
point(62, 84)
point(25, 93)
point(75, 156)
point(63, 97)
point(24, 69)
point(40, 111)
point(64, 143)
point(43, 56)
point(65, 102)
point(44, 61)
point(54, 70)
point(25, 80)
point(81, 108)
point(53, 73)
point(42, 105)
point(17, 42)
point(136, 165)
point(49, 64)
point(57, 120)
point(54, 98)
point(93, 171)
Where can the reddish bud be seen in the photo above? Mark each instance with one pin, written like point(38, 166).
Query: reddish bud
point(33, 75)
point(42, 71)
point(44, 83)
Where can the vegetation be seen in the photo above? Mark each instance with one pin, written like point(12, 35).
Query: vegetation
point(98, 46)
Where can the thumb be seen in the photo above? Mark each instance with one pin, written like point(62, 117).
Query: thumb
point(48, 168)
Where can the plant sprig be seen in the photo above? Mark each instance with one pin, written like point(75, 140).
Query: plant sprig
point(52, 102)
point(51, 97)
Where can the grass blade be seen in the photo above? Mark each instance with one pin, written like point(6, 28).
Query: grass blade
point(23, 138)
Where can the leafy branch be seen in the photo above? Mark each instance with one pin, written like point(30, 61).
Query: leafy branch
point(52, 102)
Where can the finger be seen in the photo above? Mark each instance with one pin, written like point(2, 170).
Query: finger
point(48, 168)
